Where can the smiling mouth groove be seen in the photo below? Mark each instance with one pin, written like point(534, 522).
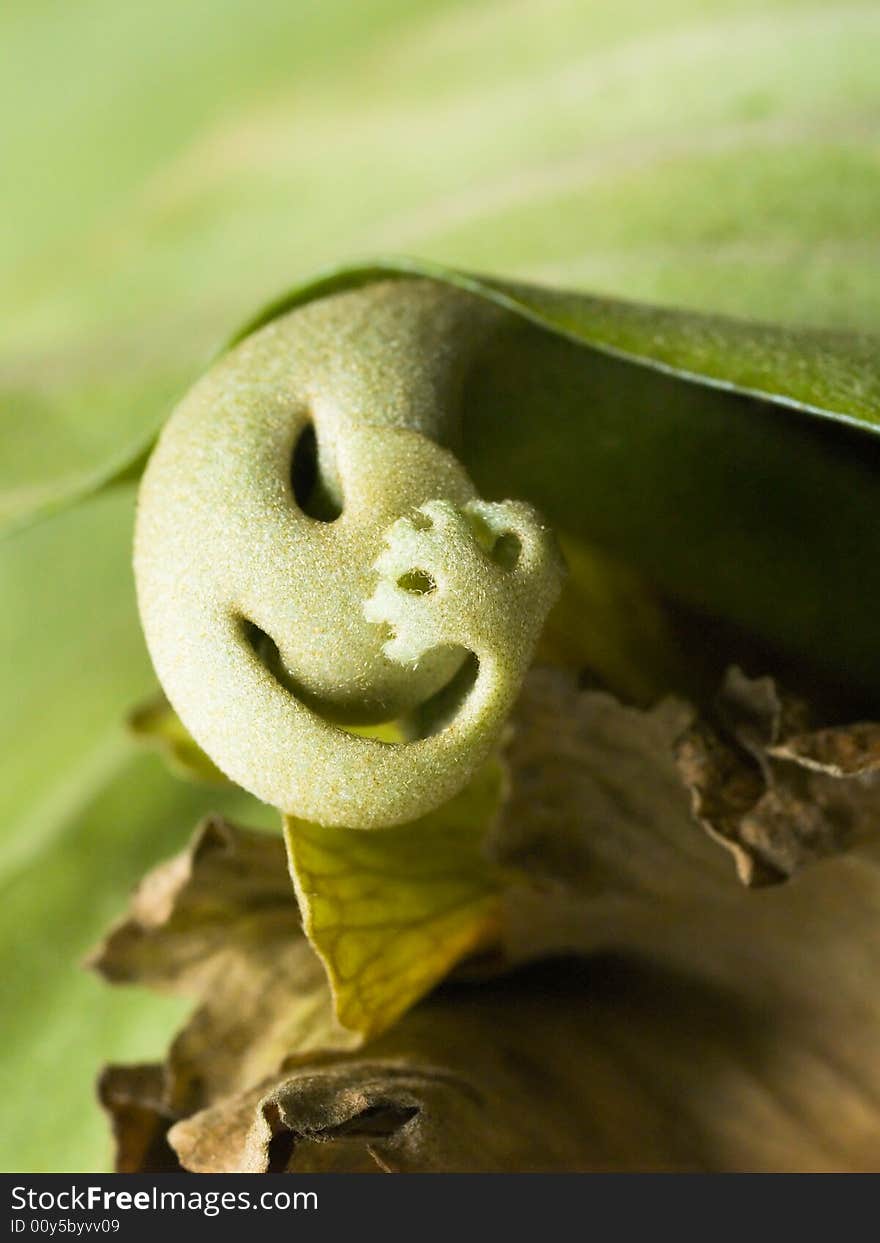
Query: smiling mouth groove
point(430, 717)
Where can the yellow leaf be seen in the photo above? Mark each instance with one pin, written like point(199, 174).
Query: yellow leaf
point(155, 724)
point(610, 621)
point(390, 912)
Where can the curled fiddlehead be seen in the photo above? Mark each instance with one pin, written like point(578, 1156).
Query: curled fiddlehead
point(312, 559)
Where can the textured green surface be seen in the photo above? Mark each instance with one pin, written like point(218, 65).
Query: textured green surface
point(169, 168)
point(734, 464)
point(226, 548)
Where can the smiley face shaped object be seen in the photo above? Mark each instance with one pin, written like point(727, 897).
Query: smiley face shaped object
point(312, 560)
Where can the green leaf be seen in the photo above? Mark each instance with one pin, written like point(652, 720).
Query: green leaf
point(705, 453)
point(391, 913)
point(539, 142)
point(557, 153)
point(81, 816)
point(827, 373)
point(71, 428)
point(691, 447)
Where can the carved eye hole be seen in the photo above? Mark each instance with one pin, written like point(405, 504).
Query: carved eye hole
point(306, 482)
point(506, 551)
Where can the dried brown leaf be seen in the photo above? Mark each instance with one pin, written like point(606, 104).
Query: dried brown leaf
point(220, 923)
point(621, 1064)
point(774, 792)
point(511, 1076)
point(134, 1100)
point(702, 1025)
point(844, 751)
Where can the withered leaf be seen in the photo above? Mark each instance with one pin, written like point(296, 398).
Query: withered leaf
point(502, 1077)
point(220, 923)
point(134, 1099)
point(699, 1024)
point(776, 793)
point(621, 1064)
point(845, 751)
point(595, 800)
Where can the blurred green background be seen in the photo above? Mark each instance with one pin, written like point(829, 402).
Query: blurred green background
point(167, 167)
